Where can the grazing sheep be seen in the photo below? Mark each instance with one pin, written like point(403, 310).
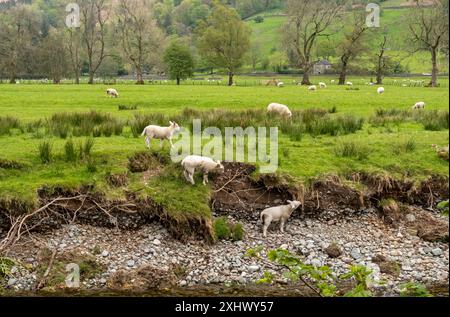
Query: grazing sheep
point(112, 93)
point(161, 133)
point(419, 105)
point(349, 83)
point(442, 152)
point(279, 109)
point(380, 90)
point(333, 81)
point(322, 85)
point(204, 164)
point(312, 88)
point(280, 84)
point(278, 214)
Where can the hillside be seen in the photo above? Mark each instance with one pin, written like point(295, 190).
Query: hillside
point(268, 35)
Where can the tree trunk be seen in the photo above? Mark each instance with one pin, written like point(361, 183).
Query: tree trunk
point(343, 75)
point(77, 77)
point(305, 80)
point(178, 81)
point(230, 79)
point(12, 78)
point(140, 78)
point(379, 76)
point(91, 78)
point(435, 70)
point(56, 81)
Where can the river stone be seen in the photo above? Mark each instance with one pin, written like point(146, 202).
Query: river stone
point(333, 251)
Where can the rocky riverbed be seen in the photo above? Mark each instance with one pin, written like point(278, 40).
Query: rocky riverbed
point(395, 255)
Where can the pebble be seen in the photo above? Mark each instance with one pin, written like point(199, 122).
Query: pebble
point(156, 242)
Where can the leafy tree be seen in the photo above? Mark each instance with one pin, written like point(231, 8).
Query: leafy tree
point(225, 40)
point(179, 61)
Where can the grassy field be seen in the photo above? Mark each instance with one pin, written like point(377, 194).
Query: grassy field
point(396, 143)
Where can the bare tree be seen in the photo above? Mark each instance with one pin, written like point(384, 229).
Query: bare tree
point(73, 47)
point(306, 21)
point(354, 42)
point(142, 40)
point(381, 60)
point(94, 15)
point(429, 30)
point(54, 55)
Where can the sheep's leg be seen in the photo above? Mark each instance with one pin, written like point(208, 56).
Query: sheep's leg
point(148, 140)
point(282, 221)
point(161, 143)
point(265, 227)
point(171, 143)
point(186, 175)
point(191, 176)
point(205, 179)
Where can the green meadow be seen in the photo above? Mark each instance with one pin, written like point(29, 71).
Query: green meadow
point(396, 141)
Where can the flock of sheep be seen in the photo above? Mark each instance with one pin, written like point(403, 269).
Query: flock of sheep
point(207, 165)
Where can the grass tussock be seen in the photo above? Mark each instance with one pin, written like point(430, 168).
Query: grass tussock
point(407, 146)
point(310, 121)
point(352, 149)
point(226, 230)
point(92, 123)
point(7, 124)
point(431, 120)
point(45, 150)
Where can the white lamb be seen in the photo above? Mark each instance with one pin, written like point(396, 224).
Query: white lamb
point(333, 81)
point(279, 109)
point(349, 83)
point(322, 85)
point(419, 105)
point(278, 214)
point(280, 84)
point(380, 90)
point(112, 93)
point(312, 88)
point(205, 164)
point(161, 133)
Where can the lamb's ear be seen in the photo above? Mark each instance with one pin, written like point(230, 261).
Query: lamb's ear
point(171, 123)
point(289, 202)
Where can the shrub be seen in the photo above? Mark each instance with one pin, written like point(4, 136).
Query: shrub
point(352, 149)
point(443, 207)
point(225, 230)
point(414, 290)
point(45, 152)
point(87, 147)
point(6, 264)
point(259, 19)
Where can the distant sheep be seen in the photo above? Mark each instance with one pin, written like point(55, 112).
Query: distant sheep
point(112, 93)
point(332, 81)
point(349, 83)
point(161, 133)
point(205, 164)
point(279, 109)
point(419, 105)
point(278, 214)
point(280, 84)
point(322, 85)
point(312, 88)
point(380, 90)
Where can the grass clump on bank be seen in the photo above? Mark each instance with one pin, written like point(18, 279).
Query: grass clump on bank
point(226, 230)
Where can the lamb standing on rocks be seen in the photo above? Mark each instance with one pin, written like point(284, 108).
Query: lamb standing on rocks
point(278, 214)
point(204, 164)
point(280, 109)
point(112, 93)
point(161, 133)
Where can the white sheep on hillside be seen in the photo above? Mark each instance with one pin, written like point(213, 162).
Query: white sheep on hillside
point(278, 214)
point(279, 109)
point(419, 105)
point(161, 133)
point(322, 85)
point(380, 90)
point(280, 84)
point(112, 93)
point(312, 88)
point(205, 164)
